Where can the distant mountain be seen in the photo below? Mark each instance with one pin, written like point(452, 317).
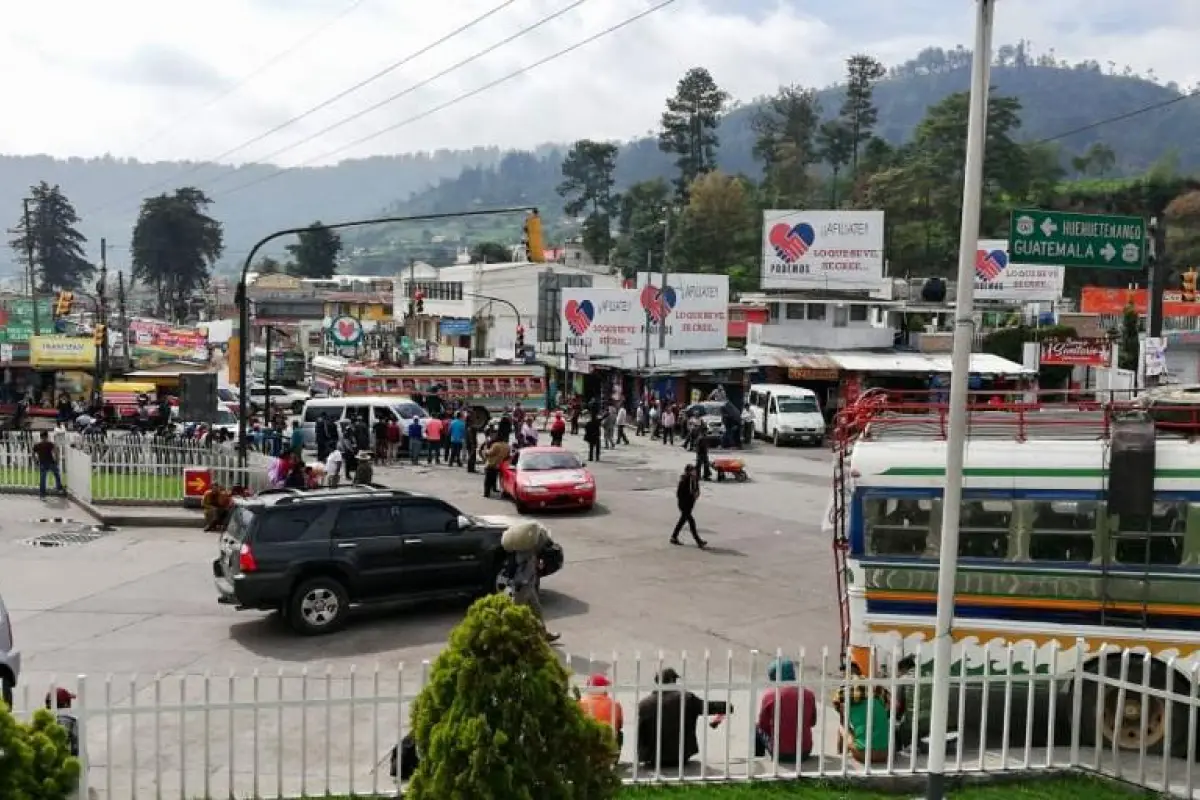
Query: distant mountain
point(107, 191)
point(1054, 100)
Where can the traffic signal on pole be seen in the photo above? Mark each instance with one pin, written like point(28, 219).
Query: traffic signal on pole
point(98, 335)
point(520, 337)
point(62, 305)
point(1188, 286)
point(534, 244)
point(419, 297)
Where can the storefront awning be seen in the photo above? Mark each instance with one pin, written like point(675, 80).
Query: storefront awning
point(922, 363)
point(809, 366)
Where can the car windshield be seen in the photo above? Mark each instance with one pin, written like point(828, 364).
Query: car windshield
point(538, 462)
point(225, 417)
point(797, 405)
point(706, 409)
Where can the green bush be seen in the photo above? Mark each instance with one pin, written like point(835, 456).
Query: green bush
point(35, 758)
point(497, 719)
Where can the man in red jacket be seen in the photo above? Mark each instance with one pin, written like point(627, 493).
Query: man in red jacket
point(796, 710)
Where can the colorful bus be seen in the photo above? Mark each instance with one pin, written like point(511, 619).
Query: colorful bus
point(489, 386)
point(1043, 567)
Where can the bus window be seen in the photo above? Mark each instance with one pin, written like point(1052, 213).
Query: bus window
point(984, 528)
point(1063, 530)
point(1157, 541)
point(898, 526)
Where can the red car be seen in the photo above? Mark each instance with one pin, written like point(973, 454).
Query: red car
point(547, 477)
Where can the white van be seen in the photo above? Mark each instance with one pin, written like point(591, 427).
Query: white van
point(785, 413)
point(374, 408)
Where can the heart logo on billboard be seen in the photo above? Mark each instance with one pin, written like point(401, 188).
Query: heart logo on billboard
point(791, 242)
point(658, 302)
point(346, 331)
point(990, 263)
point(579, 316)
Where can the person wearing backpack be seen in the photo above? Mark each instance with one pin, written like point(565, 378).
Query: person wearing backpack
point(864, 719)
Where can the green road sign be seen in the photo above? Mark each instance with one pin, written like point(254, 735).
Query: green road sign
point(1076, 240)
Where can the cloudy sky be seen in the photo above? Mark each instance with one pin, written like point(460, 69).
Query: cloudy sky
point(165, 80)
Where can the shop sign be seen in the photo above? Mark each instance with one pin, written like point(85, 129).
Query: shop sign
point(812, 374)
point(998, 278)
point(66, 352)
point(1076, 352)
point(826, 250)
point(694, 308)
point(16, 319)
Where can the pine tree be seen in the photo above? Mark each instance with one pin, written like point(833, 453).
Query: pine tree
point(689, 127)
point(497, 718)
point(175, 244)
point(53, 236)
point(316, 254)
point(858, 111)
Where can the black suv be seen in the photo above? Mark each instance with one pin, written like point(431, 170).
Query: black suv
point(311, 555)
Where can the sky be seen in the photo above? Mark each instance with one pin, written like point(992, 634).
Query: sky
point(158, 80)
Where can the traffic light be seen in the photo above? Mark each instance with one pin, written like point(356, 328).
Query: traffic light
point(534, 245)
point(62, 305)
point(1187, 283)
point(98, 335)
point(419, 297)
point(520, 337)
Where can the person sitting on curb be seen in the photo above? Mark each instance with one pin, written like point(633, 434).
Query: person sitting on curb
point(794, 739)
point(866, 709)
point(600, 706)
point(676, 704)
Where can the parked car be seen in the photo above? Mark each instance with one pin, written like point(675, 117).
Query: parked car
point(547, 477)
point(282, 398)
point(10, 658)
point(711, 420)
point(312, 555)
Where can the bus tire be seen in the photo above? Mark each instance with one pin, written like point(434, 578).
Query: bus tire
point(1125, 725)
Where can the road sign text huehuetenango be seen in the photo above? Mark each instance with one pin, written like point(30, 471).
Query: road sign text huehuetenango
point(1077, 240)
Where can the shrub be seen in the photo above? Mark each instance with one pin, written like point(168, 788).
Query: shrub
point(35, 758)
point(497, 719)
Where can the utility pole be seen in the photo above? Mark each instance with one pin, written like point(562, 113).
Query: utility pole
point(410, 321)
point(964, 330)
point(649, 319)
point(102, 314)
point(662, 324)
point(31, 272)
point(123, 321)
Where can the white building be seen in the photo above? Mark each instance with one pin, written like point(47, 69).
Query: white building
point(826, 321)
point(486, 296)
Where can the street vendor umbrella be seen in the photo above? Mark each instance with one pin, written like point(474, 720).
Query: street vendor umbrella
point(524, 536)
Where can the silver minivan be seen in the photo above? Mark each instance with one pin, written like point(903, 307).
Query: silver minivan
point(10, 657)
point(373, 408)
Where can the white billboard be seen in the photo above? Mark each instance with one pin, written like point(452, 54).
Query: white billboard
point(831, 250)
point(602, 322)
point(996, 278)
point(694, 307)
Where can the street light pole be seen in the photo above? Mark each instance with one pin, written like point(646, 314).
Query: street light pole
point(31, 271)
point(243, 299)
point(964, 329)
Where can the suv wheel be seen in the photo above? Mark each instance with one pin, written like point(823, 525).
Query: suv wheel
point(319, 605)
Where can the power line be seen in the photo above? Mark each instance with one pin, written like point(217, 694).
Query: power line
point(1118, 118)
point(420, 85)
point(456, 100)
point(259, 70)
point(322, 105)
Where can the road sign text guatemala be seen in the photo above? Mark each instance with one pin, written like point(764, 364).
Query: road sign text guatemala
point(1077, 240)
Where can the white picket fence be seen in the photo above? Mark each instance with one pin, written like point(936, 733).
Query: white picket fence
point(322, 732)
point(127, 468)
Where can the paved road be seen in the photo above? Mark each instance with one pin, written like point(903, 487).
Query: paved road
point(141, 600)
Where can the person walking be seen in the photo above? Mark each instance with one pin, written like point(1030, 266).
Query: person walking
point(497, 453)
point(472, 445)
point(576, 408)
point(458, 436)
point(591, 435)
point(686, 495)
point(668, 425)
point(325, 437)
point(433, 449)
point(445, 443)
point(609, 421)
point(703, 464)
point(47, 459)
point(641, 417)
point(622, 420)
point(414, 441)
point(557, 429)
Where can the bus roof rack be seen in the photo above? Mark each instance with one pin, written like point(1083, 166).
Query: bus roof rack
point(879, 415)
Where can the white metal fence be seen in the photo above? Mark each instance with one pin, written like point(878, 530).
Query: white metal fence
point(127, 468)
point(320, 732)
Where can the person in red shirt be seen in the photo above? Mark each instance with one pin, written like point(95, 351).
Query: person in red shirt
point(433, 435)
point(796, 717)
